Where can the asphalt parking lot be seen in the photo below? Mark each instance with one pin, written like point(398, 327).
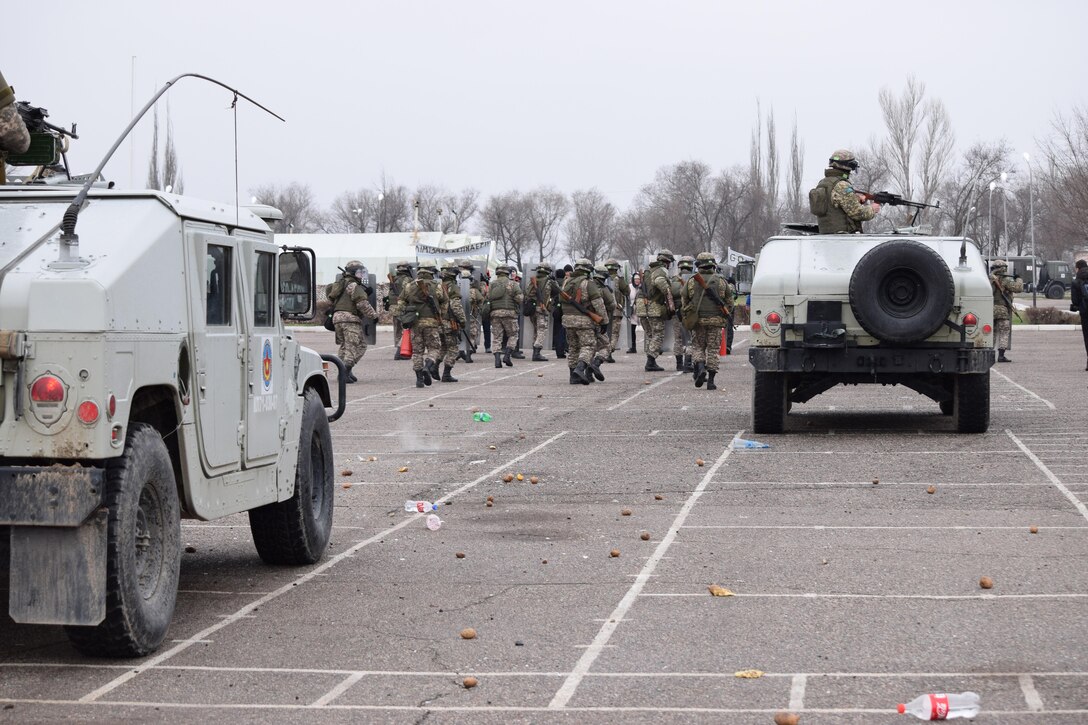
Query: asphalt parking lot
point(854, 587)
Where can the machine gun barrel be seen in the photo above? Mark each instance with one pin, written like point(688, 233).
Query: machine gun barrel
point(886, 197)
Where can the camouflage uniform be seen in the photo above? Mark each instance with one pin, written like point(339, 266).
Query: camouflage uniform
point(834, 201)
point(350, 305)
point(419, 295)
point(541, 290)
point(453, 321)
point(1003, 286)
point(475, 299)
point(706, 337)
point(580, 328)
point(505, 298)
point(604, 340)
point(658, 294)
point(14, 136)
point(396, 287)
point(679, 349)
point(622, 293)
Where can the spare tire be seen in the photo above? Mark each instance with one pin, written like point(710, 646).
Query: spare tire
point(901, 291)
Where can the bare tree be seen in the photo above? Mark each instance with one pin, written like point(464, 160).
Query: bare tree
point(632, 239)
point(154, 178)
point(164, 174)
point(772, 161)
point(794, 205)
point(504, 220)
point(353, 212)
point(903, 118)
point(963, 191)
point(462, 208)
point(591, 227)
point(936, 153)
point(431, 201)
point(545, 210)
point(296, 201)
point(1065, 180)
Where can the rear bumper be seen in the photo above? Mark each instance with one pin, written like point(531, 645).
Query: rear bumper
point(873, 362)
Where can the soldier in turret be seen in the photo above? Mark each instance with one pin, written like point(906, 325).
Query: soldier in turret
point(837, 207)
point(14, 137)
point(348, 296)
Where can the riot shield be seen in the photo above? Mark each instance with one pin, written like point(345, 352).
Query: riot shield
point(464, 286)
point(370, 327)
point(529, 323)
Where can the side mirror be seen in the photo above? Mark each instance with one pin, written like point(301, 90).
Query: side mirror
point(298, 283)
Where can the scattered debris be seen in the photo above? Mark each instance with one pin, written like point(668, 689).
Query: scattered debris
point(719, 591)
point(520, 477)
point(699, 462)
point(492, 448)
point(460, 555)
point(430, 405)
point(346, 472)
point(433, 522)
point(402, 469)
point(468, 633)
point(786, 718)
point(521, 436)
point(749, 674)
point(658, 497)
point(931, 489)
point(876, 481)
point(481, 417)
point(489, 504)
point(508, 477)
point(986, 582)
point(477, 462)
point(1033, 530)
point(345, 485)
point(645, 382)
point(190, 549)
point(534, 479)
point(744, 443)
point(471, 682)
point(491, 499)
point(540, 375)
point(544, 561)
point(645, 536)
point(614, 553)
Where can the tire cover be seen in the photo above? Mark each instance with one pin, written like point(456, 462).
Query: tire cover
point(901, 291)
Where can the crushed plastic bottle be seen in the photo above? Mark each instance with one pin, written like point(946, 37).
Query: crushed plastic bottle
point(419, 507)
point(942, 706)
point(433, 522)
point(482, 417)
point(743, 443)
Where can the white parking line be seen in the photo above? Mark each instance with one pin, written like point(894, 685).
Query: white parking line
point(797, 692)
point(1018, 385)
point(1031, 695)
point(297, 583)
point(585, 662)
point(645, 389)
point(822, 527)
point(1050, 475)
point(337, 691)
point(819, 595)
point(469, 387)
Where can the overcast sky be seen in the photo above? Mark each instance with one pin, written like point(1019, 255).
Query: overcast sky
point(515, 94)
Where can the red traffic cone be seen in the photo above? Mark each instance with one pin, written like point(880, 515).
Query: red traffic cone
point(406, 344)
point(723, 350)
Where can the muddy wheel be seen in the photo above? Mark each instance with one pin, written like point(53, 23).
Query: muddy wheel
point(769, 402)
point(972, 403)
point(297, 531)
point(143, 551)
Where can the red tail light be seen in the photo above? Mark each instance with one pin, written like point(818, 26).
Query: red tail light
point(987, 329)
point(88, 411)
point(47, 389)
point(756, 327)
point(774, 318)
point(970, 319)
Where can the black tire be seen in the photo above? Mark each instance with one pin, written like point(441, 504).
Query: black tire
point(972, 403)
point(948, 407)
point(901, 291)
point(297, 531)
point(769, 403)
point(1055, 292)
point(143, 551)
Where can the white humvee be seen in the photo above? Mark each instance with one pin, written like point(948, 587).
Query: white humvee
point(870, 308)
point(147, 376)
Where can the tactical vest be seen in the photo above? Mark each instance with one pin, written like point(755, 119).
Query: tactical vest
point(345, 299)
point(500, 296)
point(577, 287)
point(417, 293)
point(707, 307)
point(397, 286)
point(830, 218)
point(649, 289)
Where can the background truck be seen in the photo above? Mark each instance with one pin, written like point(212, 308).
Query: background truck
point(1055, 277)
point(879, 309)
point(147, 376)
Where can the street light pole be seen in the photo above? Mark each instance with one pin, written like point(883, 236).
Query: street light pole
point(358, 212)
point(381, 211)
point(990, 218)
point(1005, 209)
point(1031, 218)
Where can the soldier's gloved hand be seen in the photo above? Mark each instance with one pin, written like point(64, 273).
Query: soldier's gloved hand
point(369, 290)
point(876, 207)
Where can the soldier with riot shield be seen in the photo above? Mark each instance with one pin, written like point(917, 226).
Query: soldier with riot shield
point(398, 278)
point(621, 290)
point(681, 338)
point(453, 322)
point(471, 299)
point(349, 297)
point(603, 332)
point(539, 295)
point(420, 309)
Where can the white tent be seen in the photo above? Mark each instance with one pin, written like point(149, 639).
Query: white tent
point(378, 251)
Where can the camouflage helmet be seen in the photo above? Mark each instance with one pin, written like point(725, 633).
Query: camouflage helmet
point(705, 259)
point(600, 271)
point(686, 262)
point(428, 268)
point(355, 268)
point(583, 265)
point(465, 264)
point(404, 266)
point(503, 269)
point(449, 269)
point(998, 264)
point(612, 263)
point(843, 159)
point(664, 255)
point(543, 269)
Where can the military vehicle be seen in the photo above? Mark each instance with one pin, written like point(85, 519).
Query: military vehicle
point(869, 308)
point(148, 377)
point(1055, 277)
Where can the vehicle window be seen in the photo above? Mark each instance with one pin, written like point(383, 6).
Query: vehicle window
point(218, 288)
point(263, 285)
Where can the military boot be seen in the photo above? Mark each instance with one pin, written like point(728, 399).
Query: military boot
point(537, 357)
point(446, 377)
point(652, 366)
point(700, 374)
point(397, 355)
point(419, 379)
point(710, 380)
point(498, 360)
point(679, 362)
point(610, 359)
point(517, 354)
point(425, 374)
point(432, 368)
point(595, 367)
point(575, 379)
point(1001, 356)
point(582, 374)
point(688, 368)
point(349, 377)
point(506, 359)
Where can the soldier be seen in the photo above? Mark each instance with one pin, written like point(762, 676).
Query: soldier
point(731, 326)
point(348, 296)
point(837, 208)
point(396, 287)
point(1078, 299)
point(622, 292)
point(657, 291)
point(14, 136)
point(515, 345)
point(684, 269)
point(453, 321)
point(1004, 286)
point(710, 317)
point(542, 290)
point(505, 298)
point(581, 291)
point(426, 298)
point(602, 332)
point(475, 301)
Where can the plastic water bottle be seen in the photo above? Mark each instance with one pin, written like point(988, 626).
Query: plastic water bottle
point(419, 507)
point(743, 443)
point(942, 707)
point(433, 522)
point(482, 417)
